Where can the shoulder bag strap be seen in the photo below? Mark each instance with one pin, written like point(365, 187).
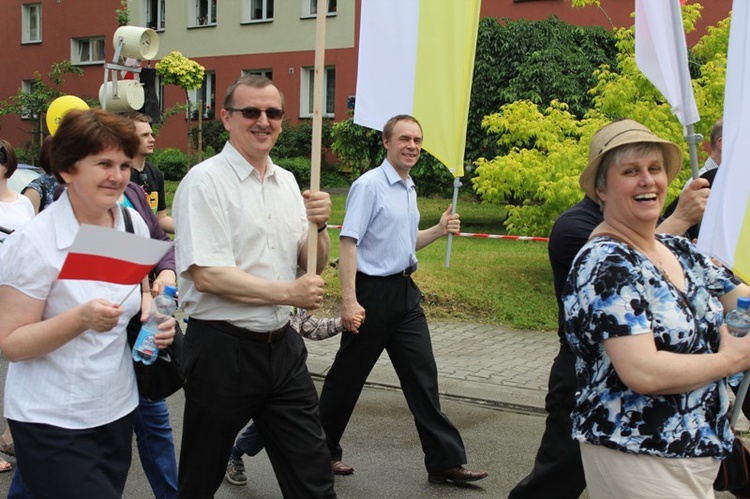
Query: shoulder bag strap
point(126, 218)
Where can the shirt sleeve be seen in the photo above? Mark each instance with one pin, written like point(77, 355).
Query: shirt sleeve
point(605, 295)
point(203, 235)
point(161, 204)
point(360, 207)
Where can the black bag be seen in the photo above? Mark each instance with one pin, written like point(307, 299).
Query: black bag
point(734, 471)
point(165, 376)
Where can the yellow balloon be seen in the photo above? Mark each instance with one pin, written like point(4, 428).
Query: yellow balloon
point(59, 107)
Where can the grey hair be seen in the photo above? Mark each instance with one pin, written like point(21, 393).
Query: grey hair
point(614, 156)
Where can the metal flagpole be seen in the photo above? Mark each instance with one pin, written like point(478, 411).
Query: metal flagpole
point(686, 88)
point(317, 131)
point(456, 184)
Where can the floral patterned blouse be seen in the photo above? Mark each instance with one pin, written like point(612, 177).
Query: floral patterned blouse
point(45, 185)
point(613, 291)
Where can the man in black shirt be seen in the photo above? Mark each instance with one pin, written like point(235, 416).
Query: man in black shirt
point(147, 175)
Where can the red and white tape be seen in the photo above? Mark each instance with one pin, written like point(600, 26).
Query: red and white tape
point(489, 236)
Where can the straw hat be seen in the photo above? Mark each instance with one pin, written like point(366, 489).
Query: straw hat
point(619, 133)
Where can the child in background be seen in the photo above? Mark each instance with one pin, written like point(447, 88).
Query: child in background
point(249, 441)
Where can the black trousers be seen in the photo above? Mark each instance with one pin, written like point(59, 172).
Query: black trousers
point(395, 322)
point(232, 379)
point(558, 470)
point(62, 463)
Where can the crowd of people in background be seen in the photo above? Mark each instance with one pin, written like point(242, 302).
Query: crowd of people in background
point(638, 387)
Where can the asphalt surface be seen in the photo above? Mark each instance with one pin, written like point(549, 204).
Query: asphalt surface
point(493, 382)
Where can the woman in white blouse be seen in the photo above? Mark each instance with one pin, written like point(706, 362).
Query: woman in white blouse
point(15, 209)
point(71, 391)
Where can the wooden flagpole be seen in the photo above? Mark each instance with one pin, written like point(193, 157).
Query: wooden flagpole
point(317, 129)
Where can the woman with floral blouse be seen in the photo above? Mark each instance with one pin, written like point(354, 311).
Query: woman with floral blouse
point(643, 314)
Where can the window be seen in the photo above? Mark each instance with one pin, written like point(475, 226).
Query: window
point(31, 17)
point(268, 73)
point(27, 86)
point(204, 12)
point(329, 92)
point(257, 10)
point(87, 50)
point(159, 93)
point(312, 7)
point(205, 96)
point(155, 14)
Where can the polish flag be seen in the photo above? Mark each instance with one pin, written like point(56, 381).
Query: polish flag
point(108, 255)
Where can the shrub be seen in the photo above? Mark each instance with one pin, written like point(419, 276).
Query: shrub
point(214, 135)
point(172, 162)
point(296, 140)
point(300, 167)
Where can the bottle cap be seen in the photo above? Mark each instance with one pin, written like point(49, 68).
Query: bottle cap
point(170, 290)
point(743, 302)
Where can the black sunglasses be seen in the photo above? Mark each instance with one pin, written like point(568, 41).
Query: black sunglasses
point(3, 155)
point(253, 113)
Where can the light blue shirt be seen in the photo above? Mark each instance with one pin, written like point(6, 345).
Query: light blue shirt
point(382, 216)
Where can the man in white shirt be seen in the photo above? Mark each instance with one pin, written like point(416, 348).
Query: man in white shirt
point(241, 228)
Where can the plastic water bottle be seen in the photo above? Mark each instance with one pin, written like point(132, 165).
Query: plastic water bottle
point(162, 308)
point(738, 320)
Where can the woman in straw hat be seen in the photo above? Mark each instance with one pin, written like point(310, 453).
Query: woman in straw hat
point(643, 314)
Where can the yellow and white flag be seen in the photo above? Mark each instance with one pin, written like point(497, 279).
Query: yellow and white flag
point(725, 231)
point(417, 57)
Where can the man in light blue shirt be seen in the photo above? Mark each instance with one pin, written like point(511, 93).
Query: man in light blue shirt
point(379, 241)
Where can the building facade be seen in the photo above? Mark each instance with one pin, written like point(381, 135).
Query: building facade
point(229, 38)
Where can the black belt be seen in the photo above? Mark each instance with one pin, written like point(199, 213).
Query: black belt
point(245, 334)
point(404, 273)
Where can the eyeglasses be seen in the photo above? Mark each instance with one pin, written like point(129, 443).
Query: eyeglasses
point(3, 155)
point(253, 113)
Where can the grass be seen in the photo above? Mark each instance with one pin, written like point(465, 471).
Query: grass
point(491, 281)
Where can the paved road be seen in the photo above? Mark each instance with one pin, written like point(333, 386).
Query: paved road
point(496, 365)
point(493, 380)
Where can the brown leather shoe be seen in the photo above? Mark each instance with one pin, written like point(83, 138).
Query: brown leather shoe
point(457, 474)
point(341, 468)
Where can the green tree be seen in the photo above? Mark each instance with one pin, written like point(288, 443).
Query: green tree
point(539, 61)
point(34, 104)
point(176, 69)
point(547, 147)
point(123, 14)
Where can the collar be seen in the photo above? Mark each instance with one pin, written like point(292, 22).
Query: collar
point(66, 225)
point(393, 177)
point(242, 167)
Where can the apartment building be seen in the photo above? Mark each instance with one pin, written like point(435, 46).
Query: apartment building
point(229, 38)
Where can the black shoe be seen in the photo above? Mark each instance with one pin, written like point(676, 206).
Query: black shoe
point(457, 474)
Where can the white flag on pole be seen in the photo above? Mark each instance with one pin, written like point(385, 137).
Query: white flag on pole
point(661, 54)
point(725, 231)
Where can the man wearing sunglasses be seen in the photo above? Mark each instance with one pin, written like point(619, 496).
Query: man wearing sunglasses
point(146, 174)
point(241, 233)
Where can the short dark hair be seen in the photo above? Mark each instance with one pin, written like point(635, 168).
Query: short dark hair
point(85, 132)
point(138, 116)
point(255, 81)
point(716, 132)
point(391, 123)
point(8, 158)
